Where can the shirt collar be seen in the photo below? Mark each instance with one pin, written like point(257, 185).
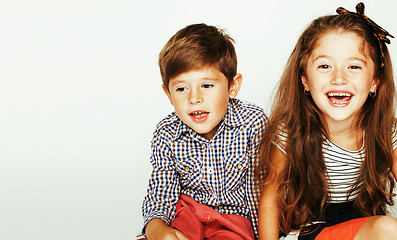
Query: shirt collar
point(181, 128)
point(233, 118)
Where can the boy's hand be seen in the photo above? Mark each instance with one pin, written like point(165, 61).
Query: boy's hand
point(156, 229)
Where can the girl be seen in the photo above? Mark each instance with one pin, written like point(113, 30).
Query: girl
point(329, 145)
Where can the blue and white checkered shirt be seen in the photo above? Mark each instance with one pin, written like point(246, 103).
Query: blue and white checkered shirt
point(218, 173)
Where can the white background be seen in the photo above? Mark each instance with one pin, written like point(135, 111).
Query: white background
point(80, 95)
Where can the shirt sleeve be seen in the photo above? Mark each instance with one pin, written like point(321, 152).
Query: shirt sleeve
point(394, 138)
point(281, 140)
point(163, 190)
point(252, 190)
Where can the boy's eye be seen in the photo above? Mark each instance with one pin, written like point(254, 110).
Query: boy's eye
point(208, 85)
point(180, 89)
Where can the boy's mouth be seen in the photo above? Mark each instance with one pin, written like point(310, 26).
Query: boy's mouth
point(339, 98)
point(198, 116)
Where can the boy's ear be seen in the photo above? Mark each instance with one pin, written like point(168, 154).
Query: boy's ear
point(235, 85)
point(167, 93)
point(305, 83)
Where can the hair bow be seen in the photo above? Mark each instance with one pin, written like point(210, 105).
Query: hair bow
point(380, 33)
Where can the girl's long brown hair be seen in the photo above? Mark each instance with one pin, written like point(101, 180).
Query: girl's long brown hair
point(303, 193)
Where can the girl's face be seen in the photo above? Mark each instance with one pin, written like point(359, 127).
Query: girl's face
point(339, 76)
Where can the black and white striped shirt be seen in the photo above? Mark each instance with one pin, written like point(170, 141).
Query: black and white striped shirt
point(343, 167)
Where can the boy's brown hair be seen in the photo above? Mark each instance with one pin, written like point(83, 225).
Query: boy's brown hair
point(197, 46)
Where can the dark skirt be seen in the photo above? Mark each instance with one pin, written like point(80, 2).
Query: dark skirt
point(335, 213)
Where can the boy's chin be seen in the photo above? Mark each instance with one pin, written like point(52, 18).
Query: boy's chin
point(208, 133)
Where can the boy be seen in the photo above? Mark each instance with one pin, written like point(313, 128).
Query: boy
point(203, 154)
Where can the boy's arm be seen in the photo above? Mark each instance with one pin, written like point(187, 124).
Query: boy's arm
point(269, 212)
point(157, 229)
point(252, 190)
point(164, 189)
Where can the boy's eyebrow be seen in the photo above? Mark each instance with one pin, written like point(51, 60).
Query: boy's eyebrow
point(210, 78)
point(177, 81)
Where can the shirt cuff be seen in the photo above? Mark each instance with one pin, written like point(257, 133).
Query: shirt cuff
point(155, 215)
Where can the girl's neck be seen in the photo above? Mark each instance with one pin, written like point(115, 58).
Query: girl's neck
point(349, 136)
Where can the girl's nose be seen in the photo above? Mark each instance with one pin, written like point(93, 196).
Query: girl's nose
point(339, 77)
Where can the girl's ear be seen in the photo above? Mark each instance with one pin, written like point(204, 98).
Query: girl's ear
point(374, 86)
point(167, 93)
point(235, 85)
point(305, 83)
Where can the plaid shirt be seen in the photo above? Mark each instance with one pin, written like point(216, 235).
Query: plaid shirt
point(217, 173)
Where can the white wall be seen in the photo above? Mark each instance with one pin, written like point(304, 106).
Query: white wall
point(80, 97)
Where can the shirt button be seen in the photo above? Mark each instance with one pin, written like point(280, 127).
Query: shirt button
point(210, 170)
point(187, 169)
point(239, 166)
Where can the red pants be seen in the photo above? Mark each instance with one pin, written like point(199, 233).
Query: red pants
point(198, 222)
point(342, 231)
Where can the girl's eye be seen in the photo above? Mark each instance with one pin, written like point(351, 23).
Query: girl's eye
point(208, 85)
point(324, 66)
point(355, 67)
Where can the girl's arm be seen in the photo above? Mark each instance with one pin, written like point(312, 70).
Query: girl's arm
point(394, 165)
point(269, 212)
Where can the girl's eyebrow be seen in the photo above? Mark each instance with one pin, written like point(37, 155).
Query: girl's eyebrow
point(359, 59)
point(321, 56)
point(351, 58)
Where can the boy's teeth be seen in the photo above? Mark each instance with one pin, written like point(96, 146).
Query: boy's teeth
point(198, 112)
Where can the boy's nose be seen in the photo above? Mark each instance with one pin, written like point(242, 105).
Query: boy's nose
point(195, 97)
point(339, 77)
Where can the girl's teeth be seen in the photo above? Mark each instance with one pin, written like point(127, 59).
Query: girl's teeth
point(339, 94)
point(339, 97)
point(335, 102)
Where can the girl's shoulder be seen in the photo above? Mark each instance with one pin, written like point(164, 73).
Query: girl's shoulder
point(394, 135)
point(282, 138)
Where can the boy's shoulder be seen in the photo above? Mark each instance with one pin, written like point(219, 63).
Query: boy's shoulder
point(247, 110)
point(170, 121)
point(169, 126)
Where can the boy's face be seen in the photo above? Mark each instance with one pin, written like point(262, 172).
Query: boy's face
point(201, 97)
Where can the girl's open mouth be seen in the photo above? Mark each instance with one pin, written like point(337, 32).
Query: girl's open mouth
point(339, 98)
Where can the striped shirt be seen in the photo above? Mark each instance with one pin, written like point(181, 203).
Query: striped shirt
point(218, 173)
point(343, 167)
